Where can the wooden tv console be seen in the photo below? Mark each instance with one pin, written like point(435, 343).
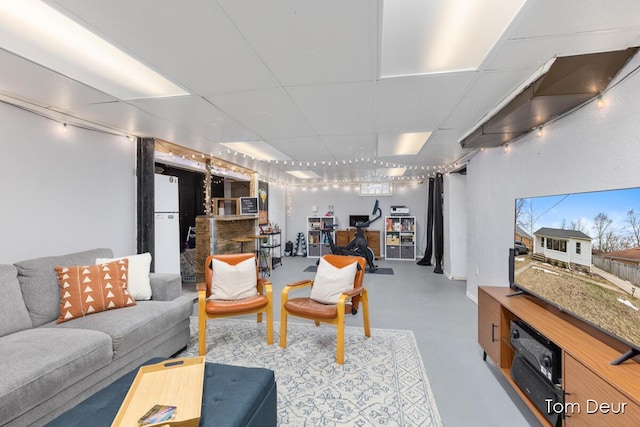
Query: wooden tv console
point(596, 393)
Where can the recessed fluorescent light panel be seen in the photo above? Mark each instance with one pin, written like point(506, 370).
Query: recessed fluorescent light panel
point(304, 174)
point(259, 150)
point(402, 144)
point(391, 172)
point(438, 36)
point(41, 34)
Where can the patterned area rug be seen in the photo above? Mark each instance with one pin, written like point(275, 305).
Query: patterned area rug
point(382, 382)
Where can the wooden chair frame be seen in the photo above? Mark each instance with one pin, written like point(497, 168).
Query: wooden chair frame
point(358, 292)
point(263, 287)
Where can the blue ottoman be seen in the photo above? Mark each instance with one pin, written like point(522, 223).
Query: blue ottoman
point(232, 396)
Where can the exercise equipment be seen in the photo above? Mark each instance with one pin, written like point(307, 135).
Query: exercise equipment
point(301, 245)
point(358, 246)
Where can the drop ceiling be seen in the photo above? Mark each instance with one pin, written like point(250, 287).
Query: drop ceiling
point(304, 78)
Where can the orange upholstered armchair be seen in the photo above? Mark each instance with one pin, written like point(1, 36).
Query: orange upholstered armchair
point(232, 288)
point(340, 278)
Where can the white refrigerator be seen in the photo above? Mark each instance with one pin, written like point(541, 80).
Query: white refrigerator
point(167, 225)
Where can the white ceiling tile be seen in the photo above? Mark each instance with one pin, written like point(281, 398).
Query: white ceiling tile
point(134, 121)
point(527, 53)
point(269, 113)
point(486, 92)
point(441, 149)
point(311, 42)
point(32, 82)
point(336, 109)
point(344, 147)
point(441, 154)
point(443, 137)
point(305, 148)
point(561, 18)
point(192, 43)
point(418, 104)
point(197, 116)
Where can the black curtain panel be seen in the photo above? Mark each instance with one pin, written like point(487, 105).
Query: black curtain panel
point(428, 252)
point(438, 231)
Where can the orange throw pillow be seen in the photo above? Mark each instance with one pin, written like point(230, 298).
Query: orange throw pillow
point(91, 289)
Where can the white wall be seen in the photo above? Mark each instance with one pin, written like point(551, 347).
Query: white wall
point(277, 209)
point(455, 226)
point(63, 191)
point(590, 149)
point(349, 202)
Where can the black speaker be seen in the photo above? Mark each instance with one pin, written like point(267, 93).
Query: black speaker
point(540, 391)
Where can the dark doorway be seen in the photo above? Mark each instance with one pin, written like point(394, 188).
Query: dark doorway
point(191, 188)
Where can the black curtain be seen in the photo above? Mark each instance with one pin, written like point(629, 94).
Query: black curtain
point(428, 252)
point(145, 187)
point(438, 231)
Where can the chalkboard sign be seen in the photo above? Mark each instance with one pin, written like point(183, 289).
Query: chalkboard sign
point(248, 205)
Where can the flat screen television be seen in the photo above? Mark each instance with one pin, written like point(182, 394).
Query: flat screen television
point(354, 219)
point(581, 253)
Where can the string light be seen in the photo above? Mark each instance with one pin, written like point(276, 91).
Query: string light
point(322, 183)
point(599, 101)
point(342, 182)
point(372, 177)
point(540, 131)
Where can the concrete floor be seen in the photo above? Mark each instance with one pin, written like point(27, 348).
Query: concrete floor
point(468, 391)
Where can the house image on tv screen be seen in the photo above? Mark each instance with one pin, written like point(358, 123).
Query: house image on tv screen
point(570, 247)
point(524, 237)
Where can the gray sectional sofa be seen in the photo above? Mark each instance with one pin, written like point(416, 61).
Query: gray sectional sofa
point(47, 368)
